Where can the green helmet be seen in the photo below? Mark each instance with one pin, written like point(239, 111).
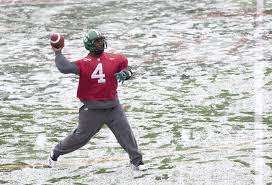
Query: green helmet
point(88, 39)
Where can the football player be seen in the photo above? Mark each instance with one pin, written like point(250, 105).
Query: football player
point(99, 73)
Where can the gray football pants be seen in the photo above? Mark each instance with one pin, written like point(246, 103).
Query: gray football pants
point(91, 121)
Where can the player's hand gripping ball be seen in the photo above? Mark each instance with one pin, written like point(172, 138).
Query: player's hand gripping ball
point(56, 40)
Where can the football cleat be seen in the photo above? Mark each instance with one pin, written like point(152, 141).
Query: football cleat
point(51, 162)
point(141, 167)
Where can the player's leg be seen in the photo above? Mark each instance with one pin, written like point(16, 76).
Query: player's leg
point(120, 127)
point(90, 122)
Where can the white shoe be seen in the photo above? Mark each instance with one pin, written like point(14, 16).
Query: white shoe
point(141, 167)
point(51, 162)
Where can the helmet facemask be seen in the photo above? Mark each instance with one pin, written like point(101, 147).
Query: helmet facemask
point(98, 50)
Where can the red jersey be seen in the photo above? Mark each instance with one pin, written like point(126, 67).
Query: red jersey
point(97, 79)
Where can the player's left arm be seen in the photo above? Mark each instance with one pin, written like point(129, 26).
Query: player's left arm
point(126, 72)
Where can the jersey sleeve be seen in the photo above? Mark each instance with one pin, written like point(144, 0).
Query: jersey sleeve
point(79, 64)
point(123, 62)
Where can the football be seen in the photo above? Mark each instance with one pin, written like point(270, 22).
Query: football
point(56, 40)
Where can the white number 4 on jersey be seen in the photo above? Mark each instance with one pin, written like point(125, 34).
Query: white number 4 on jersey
point(98, 74)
